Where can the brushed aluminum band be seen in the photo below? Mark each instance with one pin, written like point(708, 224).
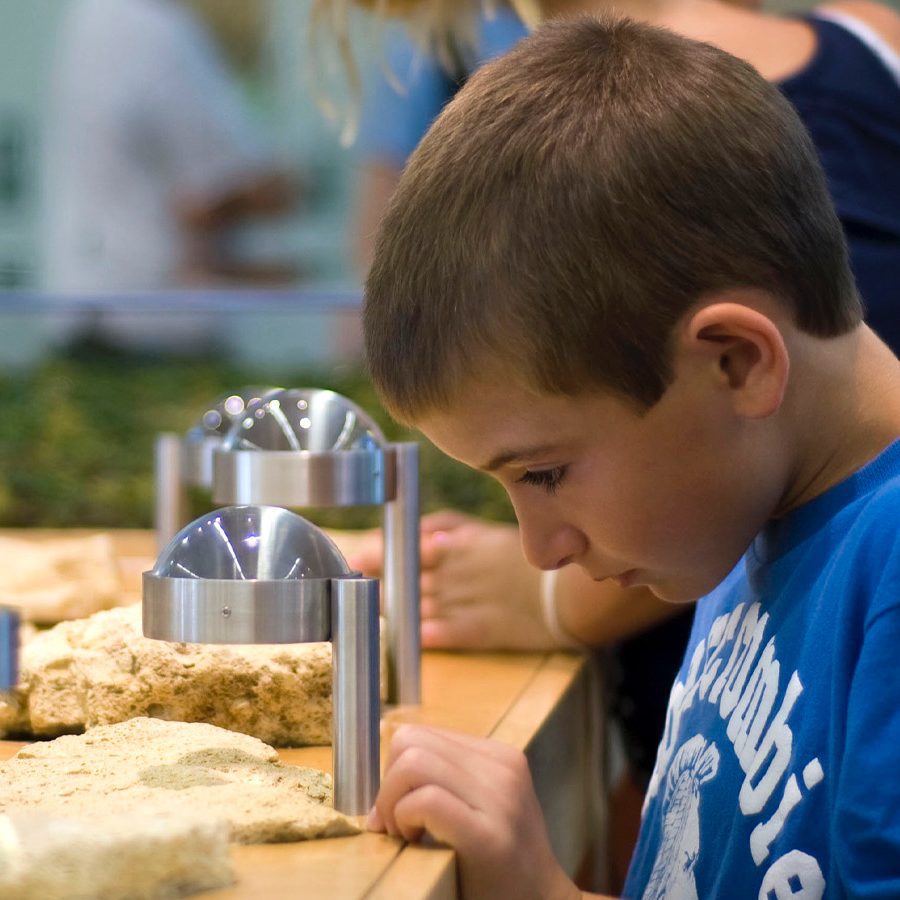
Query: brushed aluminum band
point(401, 581)
point(356, 695)
point(169, 501)
point(304, 478)
point(198, 460)
point(225, 611)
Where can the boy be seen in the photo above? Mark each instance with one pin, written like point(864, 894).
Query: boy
point(611, 276)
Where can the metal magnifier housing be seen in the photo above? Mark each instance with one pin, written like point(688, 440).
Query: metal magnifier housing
point(264, 575)
point(315, 448)
point(183, 461)
point(211, 429)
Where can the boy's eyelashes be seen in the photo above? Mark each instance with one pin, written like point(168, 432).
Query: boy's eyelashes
point(548, 479)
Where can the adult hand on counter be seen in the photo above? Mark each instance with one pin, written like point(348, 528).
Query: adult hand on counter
point(476, 796)
point(478, 591)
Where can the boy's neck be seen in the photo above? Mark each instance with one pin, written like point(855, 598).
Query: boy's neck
point(846, 406)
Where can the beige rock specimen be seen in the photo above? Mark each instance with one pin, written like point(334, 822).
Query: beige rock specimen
point(148, 767)
point(101, 669)
point(117, 857)
point(59, 578)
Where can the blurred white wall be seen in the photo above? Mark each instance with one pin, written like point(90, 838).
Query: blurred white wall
point(317, 235)
point(307, 142)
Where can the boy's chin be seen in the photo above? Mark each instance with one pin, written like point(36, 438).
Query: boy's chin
point(691, 587)
point(675, 593)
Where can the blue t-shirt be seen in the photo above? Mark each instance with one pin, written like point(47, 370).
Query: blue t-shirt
point(777, 774)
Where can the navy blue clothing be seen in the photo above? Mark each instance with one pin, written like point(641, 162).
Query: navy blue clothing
point(846, 96)
point(777, 771)
point(850, 102)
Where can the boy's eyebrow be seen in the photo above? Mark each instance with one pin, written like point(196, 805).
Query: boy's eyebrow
point(507, 456)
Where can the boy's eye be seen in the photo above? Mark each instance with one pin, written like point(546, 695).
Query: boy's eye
point(548, 479)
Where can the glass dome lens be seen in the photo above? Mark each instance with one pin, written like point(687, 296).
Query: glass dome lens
point(301, 419)
point(228, 409)
point(251, 543)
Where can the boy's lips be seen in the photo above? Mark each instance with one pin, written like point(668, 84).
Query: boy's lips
point(623, 579)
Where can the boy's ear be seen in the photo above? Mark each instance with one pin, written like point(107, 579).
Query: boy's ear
point(747, 352)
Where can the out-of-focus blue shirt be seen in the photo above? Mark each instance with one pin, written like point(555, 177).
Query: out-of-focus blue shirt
point(392, 123)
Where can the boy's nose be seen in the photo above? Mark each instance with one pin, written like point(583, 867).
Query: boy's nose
point(548, 546)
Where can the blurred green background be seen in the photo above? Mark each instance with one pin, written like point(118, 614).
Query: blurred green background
point(78, 419)
point(77, 434)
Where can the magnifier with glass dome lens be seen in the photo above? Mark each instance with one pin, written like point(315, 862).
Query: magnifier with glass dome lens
point(182, 461)
point(264, 575)
point(305, 447)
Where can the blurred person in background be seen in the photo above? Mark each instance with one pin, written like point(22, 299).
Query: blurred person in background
point(839, 66)
point(154, 159)
point(393, 121)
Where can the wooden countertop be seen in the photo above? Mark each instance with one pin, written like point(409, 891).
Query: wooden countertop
point(545, 704)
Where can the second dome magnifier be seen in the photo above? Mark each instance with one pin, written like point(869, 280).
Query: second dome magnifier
point(312, 448)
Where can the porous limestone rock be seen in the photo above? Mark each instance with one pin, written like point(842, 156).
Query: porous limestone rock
point(148, 767)
point(101, 670)
point(59, 578)
point(116, 857)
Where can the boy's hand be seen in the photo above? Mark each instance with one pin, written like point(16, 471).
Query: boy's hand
point(475, 795)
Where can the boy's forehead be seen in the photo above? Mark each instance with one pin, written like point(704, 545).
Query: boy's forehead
point(491, 448)
point(491, 425)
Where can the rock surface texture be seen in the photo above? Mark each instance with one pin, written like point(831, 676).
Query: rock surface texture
point(101, 670)
point(59, 578)
point(148, 768)
point(118, 857)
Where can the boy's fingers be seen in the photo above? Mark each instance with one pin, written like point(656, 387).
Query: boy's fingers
point(374, 822)
point(449, 743)
point(368, 557)
point(434, 810)
point(417, 767)
point(442, 814)
point(368, 554)
point(429, 607)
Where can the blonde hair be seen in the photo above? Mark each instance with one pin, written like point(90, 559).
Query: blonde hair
point(445, 29)
point(444, 26)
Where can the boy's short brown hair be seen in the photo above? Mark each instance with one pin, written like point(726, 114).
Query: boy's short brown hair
point(576, 198)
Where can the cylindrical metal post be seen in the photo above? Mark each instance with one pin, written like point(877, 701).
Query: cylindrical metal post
point(401, 580)
point(170, 501)
point(9, 648)
point(355, 694)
